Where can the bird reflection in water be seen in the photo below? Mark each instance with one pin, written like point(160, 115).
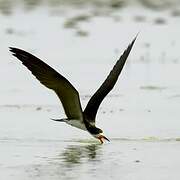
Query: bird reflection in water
point(77, 154)
point(68, 164)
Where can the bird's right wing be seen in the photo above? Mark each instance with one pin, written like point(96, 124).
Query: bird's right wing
point(68, 95)
point(95, 101)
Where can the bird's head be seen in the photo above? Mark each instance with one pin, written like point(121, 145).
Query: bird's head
point(98, 134)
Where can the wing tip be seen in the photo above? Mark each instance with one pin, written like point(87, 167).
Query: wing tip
point(18, 53)
point(13, 51)
point(133, 41)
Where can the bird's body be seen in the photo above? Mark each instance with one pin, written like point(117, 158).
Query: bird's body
point(68, 95)
point(76, 123)
point(73, 122)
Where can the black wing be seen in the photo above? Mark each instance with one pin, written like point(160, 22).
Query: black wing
point(95, 101)
point(68, 95)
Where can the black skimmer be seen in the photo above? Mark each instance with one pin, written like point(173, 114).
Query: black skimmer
point(68, 95)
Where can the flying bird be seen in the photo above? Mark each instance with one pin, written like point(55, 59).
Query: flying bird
point(68, 95)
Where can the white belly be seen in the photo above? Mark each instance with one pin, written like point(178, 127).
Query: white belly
point(77, 123)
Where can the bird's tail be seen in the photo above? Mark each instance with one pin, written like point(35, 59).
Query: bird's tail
point(60, 120)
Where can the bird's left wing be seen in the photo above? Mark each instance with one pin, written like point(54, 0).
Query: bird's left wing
point(95, 101)
point(68, 95)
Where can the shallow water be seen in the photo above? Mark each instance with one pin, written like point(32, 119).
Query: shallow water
point(140, 116)
point(50, 159)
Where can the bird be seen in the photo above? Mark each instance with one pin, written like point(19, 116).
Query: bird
point(68, 95)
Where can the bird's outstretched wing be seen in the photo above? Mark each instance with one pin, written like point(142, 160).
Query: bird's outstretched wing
point(95, 101)
point(68, 95)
